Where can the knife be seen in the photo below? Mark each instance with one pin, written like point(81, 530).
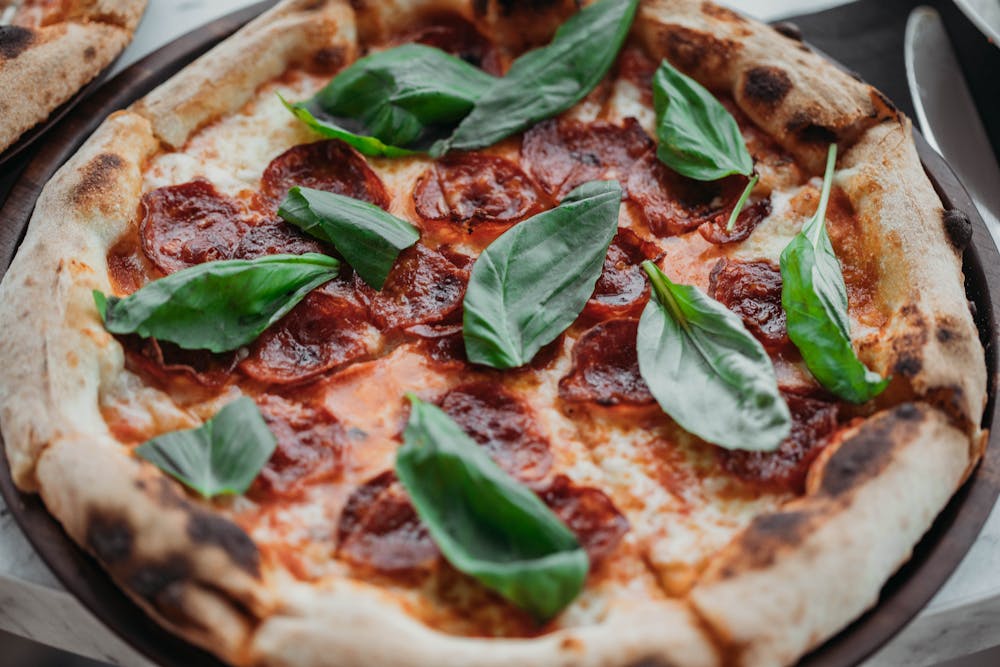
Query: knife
point(947, 113)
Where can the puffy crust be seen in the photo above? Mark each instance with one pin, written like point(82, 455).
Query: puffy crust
point(122, 13)
point(40, 68)
point(869, 500)
point(223, 79)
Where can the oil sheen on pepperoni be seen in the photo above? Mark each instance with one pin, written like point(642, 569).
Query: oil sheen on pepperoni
point(424, 287)
point(168, 362)
point(504, 425)
point(672, 204)
point(622, 290)
point(589, 513)
point(752, 290)
point(563, 154)
point(606, 367)
point(714, 230)
point(442, 343)
point(785, 469)
point(472, 189)
point(379, 530)
point(311, 447)
point(328, 329)
point(453, 34)
point(329, 165)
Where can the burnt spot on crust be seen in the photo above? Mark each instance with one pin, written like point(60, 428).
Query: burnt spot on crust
point(788, 29)
point(908, 348)
point(97, 178)
point(109, 536)
point(767, 85)
point(14, 40)
point(692, 50)
point(508, 7)
point(162, 585)
point(328, 60)
point(721, 13)
point(958, 227)
point(89, 53)
point(209, 529)
point(801, 125)
point(764, 538)
point(865, 454)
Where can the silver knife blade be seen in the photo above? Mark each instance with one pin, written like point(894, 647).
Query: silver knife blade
point(947, 113)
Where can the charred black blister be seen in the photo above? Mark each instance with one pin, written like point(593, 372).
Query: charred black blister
point(958, 227)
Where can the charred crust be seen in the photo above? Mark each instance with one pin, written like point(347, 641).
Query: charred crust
point(908, 365)
point(110, 537)
point(801, 125)
point(767, 86)
point(883, 107)
point(764, 538)
point(329, 60)
point(693, 50)
point(788, 29)
point(508, 7)
point(865, 454)
point(208, 529)
point(162, 584)
point(97, 178)
point(958, 227)
point(721, 13)
point(89, 53)
point(908, 349)
point(14, 40)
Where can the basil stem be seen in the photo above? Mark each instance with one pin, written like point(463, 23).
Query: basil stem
point(486, 524)
point(217, 306)
point(533, 281)
point(367, 237)
point(698, 137)
point(549, 80)
point(222, 456)
point(707, 371)
point(403, 97)
point(814, 297)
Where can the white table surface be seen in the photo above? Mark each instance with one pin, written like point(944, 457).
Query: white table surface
point(963, 618)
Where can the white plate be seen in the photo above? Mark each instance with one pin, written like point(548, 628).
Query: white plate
point(985, 14)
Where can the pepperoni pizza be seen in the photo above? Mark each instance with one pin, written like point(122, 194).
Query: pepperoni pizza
point(436, 481)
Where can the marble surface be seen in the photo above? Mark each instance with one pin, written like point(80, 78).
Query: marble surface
point(961, 619)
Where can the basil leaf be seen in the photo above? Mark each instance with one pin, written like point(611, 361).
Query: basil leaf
point(217, 306)
point(549, 80)
point(222, 456)
point(814, 297)
point(486, 524)
point(366, 145)
point(707, 371)
point(533, 281)
point(369, 239)
point(698, 137)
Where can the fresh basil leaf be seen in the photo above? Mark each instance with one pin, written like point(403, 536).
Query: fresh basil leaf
point(814, 297)
point(707, 371)
point(366, 145)
point(217, 306)
point(369, 239)
point(486, 524)
point(222, 456)
point(549, 80)
point(533, 281)
point(698, 137)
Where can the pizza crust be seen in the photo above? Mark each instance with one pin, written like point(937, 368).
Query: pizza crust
point(875, 491)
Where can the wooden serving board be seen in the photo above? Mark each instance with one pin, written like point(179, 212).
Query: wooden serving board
point(933, 560)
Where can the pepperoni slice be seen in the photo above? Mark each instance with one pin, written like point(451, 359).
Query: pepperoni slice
point(563, 154)
point(714, 231)
point(752, 290)
point(606, 367)
point(167, 362)
point(622, 290)
point(785, 469)
point(422, 288)
point(453, 34)
point(311, 447)
point(328, 329)
point(329, 165)
point(589, 513)
point(672, 204)
point(504, 425)
point(379, 530)
point(473, 189)
point(188, 224)
point(443, 343)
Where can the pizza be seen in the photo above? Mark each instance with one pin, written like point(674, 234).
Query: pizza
point(454, 333)
point(50, 49)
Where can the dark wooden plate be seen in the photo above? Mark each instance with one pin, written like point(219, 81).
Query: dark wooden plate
point(933, 561)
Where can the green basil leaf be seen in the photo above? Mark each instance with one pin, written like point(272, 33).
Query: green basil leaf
point(707, 371)
point(486, 524)
point(533, 281)
point(369, 239)
point(698, 137)
point(549, 80)
point(217, 306)
point(222, 456)
point(366, 145)
point(814, 297)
